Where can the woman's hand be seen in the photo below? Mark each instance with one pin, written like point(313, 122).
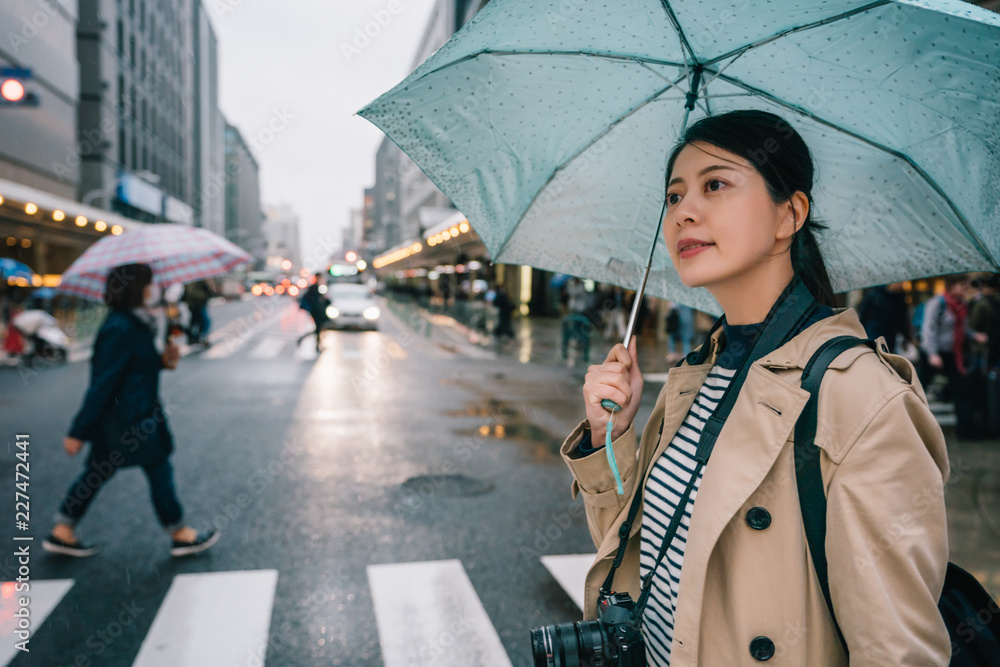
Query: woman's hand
point(72, 445)
point(620, 380)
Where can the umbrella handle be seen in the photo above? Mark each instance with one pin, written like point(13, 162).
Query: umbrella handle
point(610, 405)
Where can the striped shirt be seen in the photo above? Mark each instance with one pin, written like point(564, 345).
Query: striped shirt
point(669, 477)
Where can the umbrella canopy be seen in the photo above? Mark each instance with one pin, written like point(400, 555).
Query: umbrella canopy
point(548, 123)
point(176, 253)
point(11, 268)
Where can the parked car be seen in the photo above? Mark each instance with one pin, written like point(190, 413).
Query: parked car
point(352, 306)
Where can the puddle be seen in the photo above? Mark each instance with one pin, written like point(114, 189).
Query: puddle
point(446, 486)
point(503, 422)
point(538, 444)
point(493, 409)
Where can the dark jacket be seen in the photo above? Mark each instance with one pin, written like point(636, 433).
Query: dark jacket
point(121, 414)
point(884, 313)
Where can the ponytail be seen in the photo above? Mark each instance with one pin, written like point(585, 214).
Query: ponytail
point(808, 264)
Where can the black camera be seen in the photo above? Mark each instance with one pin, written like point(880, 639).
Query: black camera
point(613, 640)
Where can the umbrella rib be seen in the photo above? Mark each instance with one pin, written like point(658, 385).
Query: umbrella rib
point(585, 147)
point(972, 234)
point(680, 31)
point(592, 54)
point(814, 24)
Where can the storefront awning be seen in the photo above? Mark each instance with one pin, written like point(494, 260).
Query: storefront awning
point(440, 245)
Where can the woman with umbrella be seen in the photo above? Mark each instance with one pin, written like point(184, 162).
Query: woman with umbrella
point(737, 578)
point(124, 420)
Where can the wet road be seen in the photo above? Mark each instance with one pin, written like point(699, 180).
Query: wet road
point(385, 449)
point(393, 500)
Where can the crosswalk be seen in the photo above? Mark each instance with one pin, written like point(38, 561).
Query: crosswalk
point(428, 614)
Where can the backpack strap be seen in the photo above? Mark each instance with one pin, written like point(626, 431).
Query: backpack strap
point(808, 475)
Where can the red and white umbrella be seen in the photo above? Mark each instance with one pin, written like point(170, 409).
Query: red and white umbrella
point(176, 253)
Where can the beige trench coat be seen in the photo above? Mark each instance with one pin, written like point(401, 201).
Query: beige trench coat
point(884, 466)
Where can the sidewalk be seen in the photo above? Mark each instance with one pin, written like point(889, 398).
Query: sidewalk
point(536, 340)
point(539, 340)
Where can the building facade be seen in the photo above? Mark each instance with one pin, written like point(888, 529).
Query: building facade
point(38, 144)
point(406, 202)
point(40, 156)
point(137, 93)
point(243, 218)
point(281, 234)
point(209, 129)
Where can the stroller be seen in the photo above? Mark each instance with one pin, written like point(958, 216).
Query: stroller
point(45, 342)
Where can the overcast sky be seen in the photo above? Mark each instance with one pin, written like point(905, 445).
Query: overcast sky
point(282, 66)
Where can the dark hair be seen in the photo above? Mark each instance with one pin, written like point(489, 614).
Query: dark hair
point(953, 279)
point(780, 155)
point(125, 286)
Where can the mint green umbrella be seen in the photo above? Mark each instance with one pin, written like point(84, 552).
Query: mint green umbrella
point(548, 123)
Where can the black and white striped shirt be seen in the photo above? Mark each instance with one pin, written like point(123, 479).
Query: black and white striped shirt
point(670, 476)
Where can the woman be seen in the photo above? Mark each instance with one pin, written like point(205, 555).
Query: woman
point(947, 339)
point(123, 419)
point(737, 584)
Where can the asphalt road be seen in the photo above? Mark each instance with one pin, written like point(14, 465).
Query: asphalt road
point(386, 501)
point(396, 500)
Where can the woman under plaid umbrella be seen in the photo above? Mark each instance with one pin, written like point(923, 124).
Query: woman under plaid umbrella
point(124, 420)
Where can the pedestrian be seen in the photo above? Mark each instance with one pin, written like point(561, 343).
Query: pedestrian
point(614, 313)
point(738, 580)
point(984, 317)
point(314, 302)
point(680, 327)
point(504, 328)
point(123, 419)
point(576, 325)
point(883, 312)
point(947, 340)
point(196, 296)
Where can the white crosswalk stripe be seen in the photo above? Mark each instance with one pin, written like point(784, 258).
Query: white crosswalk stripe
point(212, 619)
point(269, 348)
point(43, 596)
point(571, 573)
point(429, 615)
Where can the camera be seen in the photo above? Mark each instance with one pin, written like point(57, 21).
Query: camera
point(613, 640)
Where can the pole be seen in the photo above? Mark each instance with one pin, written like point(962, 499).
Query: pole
point(692, 97)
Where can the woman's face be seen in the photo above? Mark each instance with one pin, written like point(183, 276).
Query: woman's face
point(718, 197)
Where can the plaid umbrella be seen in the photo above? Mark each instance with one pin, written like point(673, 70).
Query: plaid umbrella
point(176, 253)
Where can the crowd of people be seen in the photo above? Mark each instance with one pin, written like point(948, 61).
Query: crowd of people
point(953, 339)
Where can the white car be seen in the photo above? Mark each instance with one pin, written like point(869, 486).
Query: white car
point(352, 305)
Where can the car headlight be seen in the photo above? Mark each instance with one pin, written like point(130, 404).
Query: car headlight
point(332, 312)
point(371, 313)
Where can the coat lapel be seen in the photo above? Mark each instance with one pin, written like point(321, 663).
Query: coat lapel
point(751, 440)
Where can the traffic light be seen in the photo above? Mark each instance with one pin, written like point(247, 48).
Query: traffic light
point(351, 256)
point(13, 89)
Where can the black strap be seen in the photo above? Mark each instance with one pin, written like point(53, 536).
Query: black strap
point(808, 474)
point(781, 324)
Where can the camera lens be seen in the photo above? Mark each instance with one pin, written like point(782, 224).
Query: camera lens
point(569, 645)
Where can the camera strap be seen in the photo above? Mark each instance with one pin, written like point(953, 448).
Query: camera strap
point(782, 322)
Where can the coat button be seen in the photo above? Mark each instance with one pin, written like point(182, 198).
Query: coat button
point(758, 518)
point(762, 648)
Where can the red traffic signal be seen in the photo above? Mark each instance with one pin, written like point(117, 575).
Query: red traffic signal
point(13, 92)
